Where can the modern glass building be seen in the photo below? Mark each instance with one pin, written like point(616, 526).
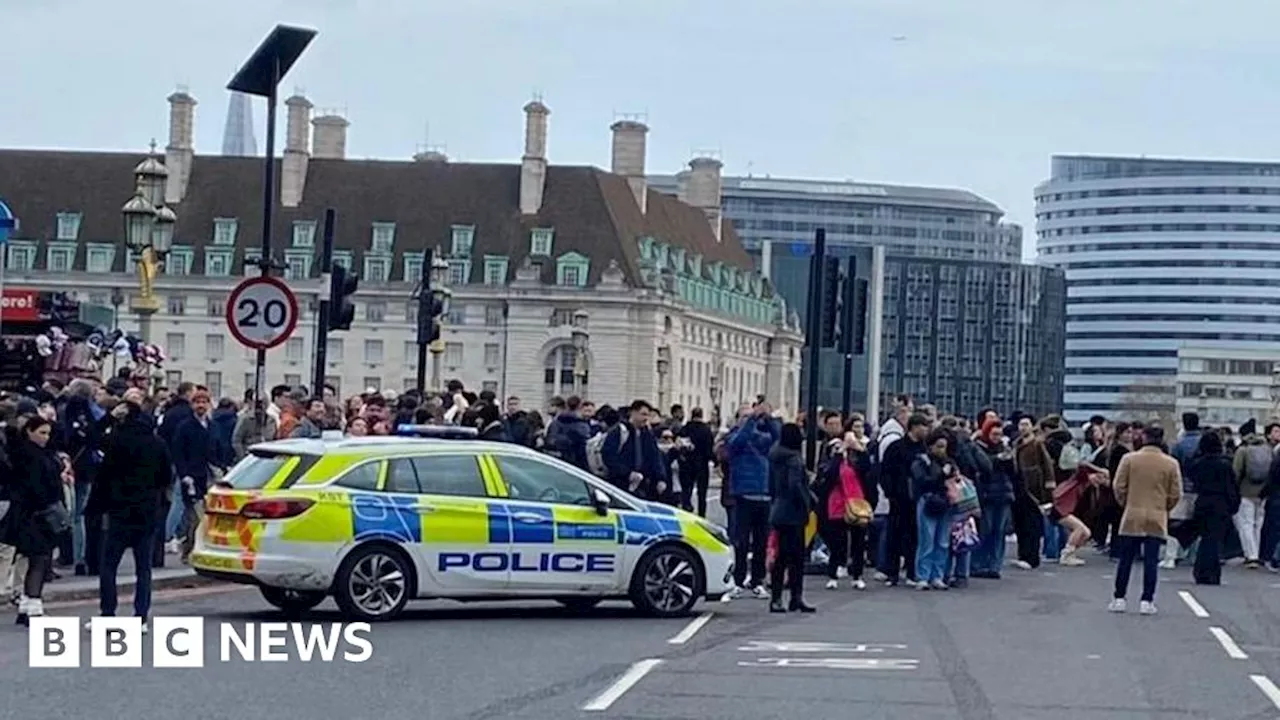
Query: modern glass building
point(1159, 255)
point(911, 221)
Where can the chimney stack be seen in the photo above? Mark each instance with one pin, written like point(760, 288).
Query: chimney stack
point(533, 166)
point(629, 156)
point(180, 152)
point(297, 150)
point(702, 189)
point(330, 140)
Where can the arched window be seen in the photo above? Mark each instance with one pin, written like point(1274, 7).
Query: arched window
point(557, 373)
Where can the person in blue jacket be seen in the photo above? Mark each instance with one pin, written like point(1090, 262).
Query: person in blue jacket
point(748, 446)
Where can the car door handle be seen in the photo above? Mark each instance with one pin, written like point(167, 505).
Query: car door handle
point(529, 517)
point(426, 508)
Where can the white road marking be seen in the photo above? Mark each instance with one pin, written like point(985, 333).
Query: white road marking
point(1093, 657)
point(1233, 650)
point(1268, 688)
point(815, 647)
point(611, 694)
point(1196, 608)
point(691, 629)
point(835, 663)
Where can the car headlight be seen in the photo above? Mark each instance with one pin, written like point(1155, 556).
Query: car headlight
point(717, 532)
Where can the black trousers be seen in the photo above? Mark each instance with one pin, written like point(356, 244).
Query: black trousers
point(901, 529)
point(1211, 524)
point(750, 536)
point(788, 567)
point(696, 477)
point(846, 545)
point(1028, 525)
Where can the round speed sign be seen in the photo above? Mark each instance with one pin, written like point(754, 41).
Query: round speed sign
point(262, 313)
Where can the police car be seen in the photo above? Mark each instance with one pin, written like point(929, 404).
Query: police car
point(377, 522)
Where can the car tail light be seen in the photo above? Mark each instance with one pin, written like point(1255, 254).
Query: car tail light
point(275, 509)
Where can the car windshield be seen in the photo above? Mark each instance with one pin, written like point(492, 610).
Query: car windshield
point(256, 470)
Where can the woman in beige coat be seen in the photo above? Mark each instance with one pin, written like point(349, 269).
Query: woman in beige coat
point(1148, 484)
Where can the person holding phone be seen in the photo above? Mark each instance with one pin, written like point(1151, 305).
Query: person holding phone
point(930, 474)
point(748, 446)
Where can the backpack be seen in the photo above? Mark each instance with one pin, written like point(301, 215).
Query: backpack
point(1257, 464)
point(595, 450)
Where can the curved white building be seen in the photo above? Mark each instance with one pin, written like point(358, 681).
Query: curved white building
point(1159, 255)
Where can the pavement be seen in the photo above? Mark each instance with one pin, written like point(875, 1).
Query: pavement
point(71, 587)
point(1033, 646)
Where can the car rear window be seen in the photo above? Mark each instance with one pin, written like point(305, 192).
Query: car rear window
point(259, 467)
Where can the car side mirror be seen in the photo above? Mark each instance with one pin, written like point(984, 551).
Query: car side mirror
point(600, 500)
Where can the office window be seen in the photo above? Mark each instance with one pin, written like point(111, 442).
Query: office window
point(175, 346)
point(410, 352)
point(177, 305)
point(456, 316)
point(490, 385)
point(384, 237)
point(413, 266)
point(333, 348)
point(494, 315)
point(453, 354)
point(99, 258)
point(372, 383)
point(297, 264)
point(293, 349)
point(179, 261)
point(215, 346)
point(60, 257)
point(540, 241)
point(304, 233)
point(217, 306)
point(462, 241)
point(217, 263)
point(22, 256)
point(377, 268)
point(459, 272)
point(224, 231)
point(492, 354)
point(213, 381)
point(375, 311)
point(495, 271)
point(373, 351)
point(172, 379)
point(68, 226)
point(293, 380)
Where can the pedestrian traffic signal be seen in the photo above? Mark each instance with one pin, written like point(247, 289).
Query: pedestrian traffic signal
point(831, 302)
point(860, 316)
point(342, 307)
point(430, 310)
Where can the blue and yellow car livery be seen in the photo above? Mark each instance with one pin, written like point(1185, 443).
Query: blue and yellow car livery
point(376, 522)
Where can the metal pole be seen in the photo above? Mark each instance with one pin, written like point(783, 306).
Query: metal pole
point(322, 319)
point(813, 332)
point(846, 331)
point(875, 326)
point(268, 211)
point(4, 260)
point(424, 318)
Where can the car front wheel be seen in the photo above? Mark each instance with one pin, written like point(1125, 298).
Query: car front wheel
point(667, 582)
point(373, 583)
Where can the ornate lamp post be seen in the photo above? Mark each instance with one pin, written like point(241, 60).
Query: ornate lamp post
point(148, 231)
point(442, 293)
point(580, 341)
point(664, 373)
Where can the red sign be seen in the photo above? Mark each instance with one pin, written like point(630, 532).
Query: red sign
point(20, 305)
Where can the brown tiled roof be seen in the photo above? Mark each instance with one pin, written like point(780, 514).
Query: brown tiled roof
point(592, 211)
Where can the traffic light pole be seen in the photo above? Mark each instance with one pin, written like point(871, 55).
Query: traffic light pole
point(847, 324)
point(322, 321)
point(813, 338)
point(424, 318)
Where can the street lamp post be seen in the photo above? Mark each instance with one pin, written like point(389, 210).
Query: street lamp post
point(117, 299)
point(440, 290)
point(148, 232)
point(664, 372)
point(713, 391)
point(580, 340)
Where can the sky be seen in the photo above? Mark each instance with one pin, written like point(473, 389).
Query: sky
point(975, 95)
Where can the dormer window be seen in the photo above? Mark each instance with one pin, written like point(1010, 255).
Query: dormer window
point(343, 258)
point(224, 231)
point(68, 226)
point(572, 270)
point(384, 237)
point(463, 239)
point(540, 241)
point(413, 266)
point(304, 233)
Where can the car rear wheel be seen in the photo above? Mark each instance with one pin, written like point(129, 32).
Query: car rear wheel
point(373, 583)
point(579, 604)
point(668, 582)
point(293, 601)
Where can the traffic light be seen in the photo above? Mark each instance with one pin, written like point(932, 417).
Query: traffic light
point(831, 302)
point(430, 309)
point(860, 316)
point(342, 308)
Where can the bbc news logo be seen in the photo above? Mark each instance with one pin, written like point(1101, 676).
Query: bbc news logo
point(179, 642)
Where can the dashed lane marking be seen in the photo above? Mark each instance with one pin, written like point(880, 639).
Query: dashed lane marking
point(628, 680)
point(1190, 600)
point(691, 629)
point(1268, 688)
point(1228, 644)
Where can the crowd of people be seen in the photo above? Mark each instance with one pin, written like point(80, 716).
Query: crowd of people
point(94, 470)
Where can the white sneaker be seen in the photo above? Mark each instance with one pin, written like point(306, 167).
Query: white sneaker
point(146, 627)
point(1146, 608)
point(1023, 564)
point(1168, 564)
point(759, 592)
point(1070, 559)
point(842, 572)
point(833, 585)
point(1118, 605)
point(859, 584)
point(880, 577)
point(173, 547)
point(734, 593)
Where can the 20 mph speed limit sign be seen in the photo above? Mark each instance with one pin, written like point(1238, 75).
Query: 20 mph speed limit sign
point(262, 313)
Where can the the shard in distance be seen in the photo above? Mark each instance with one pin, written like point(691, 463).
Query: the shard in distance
point(237, 137)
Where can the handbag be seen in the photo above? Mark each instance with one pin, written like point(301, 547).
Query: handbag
point(964, 536)
point(858, 512)
point(964, 500)
point(771, 551)
point(56, 519)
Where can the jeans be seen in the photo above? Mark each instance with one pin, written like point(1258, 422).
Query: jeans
point(77, 528)
point(173, 523)
point(1129, 549)
point(118, 538)
point(1269, 544)
point(750, 536)
point(1249, 521)
point(1054, 539)
point(988, 557)
point(933, 544)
